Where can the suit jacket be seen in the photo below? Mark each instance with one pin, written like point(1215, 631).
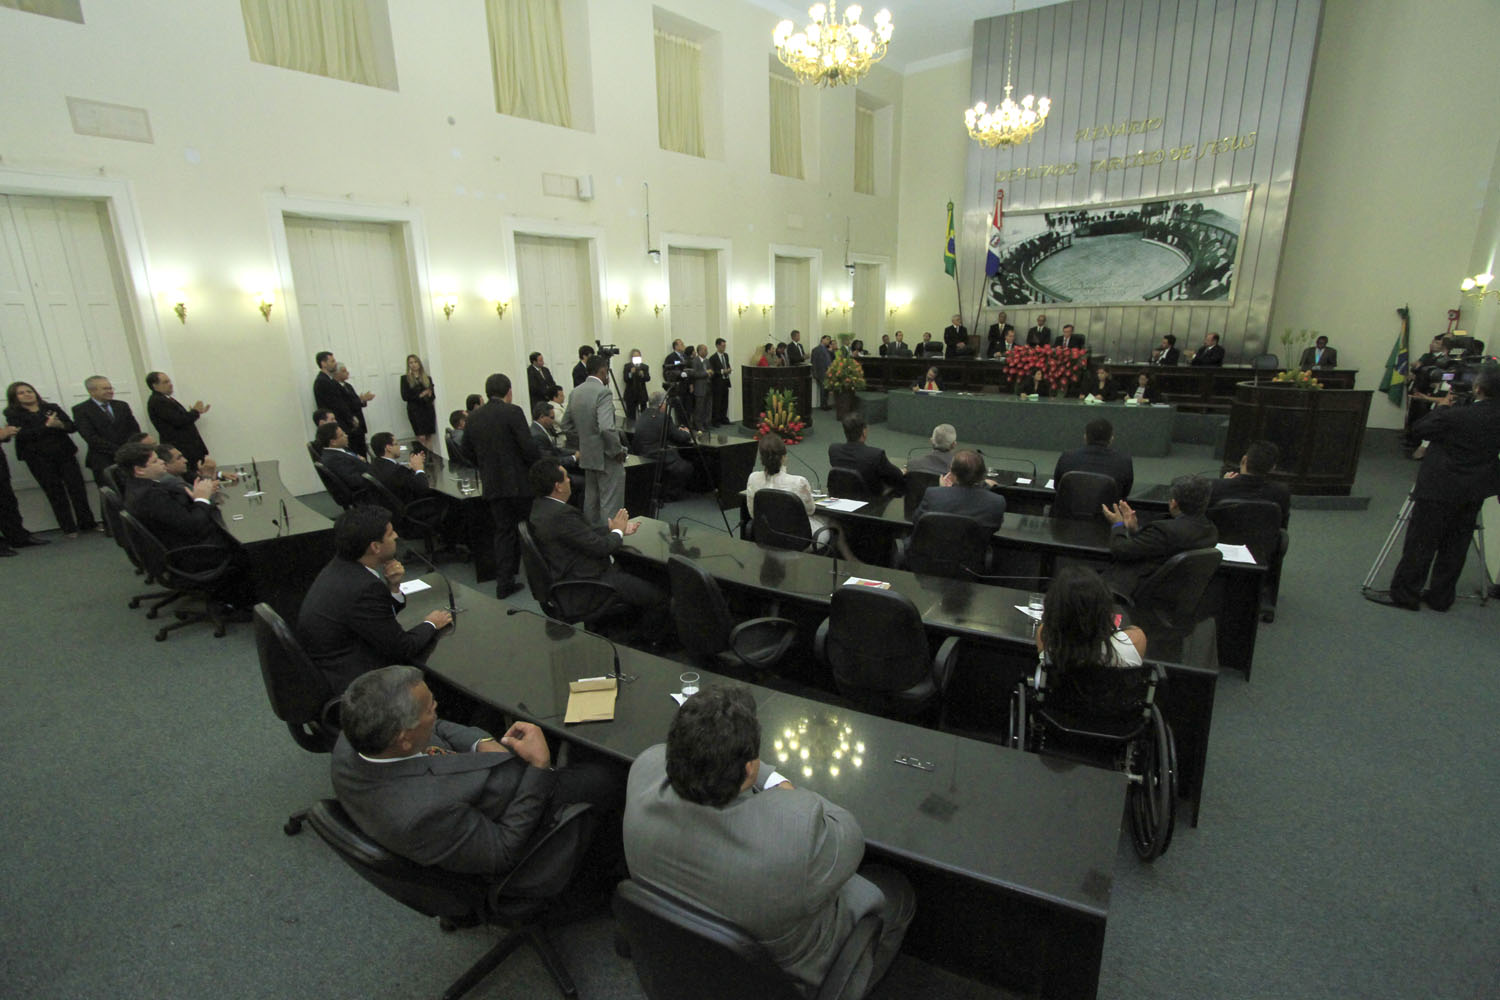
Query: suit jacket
point(697, 376)
point(1460, 466)
point(721, 368)
point(971, 501)
point(174, 517)
point(653, 430)
point(781, 864)
point(465, 811)
point(1074, 339)
point(672, 368)
point(936, 462)
point(1209, 357)
point(401, 480)
point(1139, 555)
point(1246, 487)
point(591, 420)
point(573, 548)
point(952, 335)
point(1100, 458)
point(821, 358)
point(347, 467)
point(539, 385)
point(929, 349)
point(356, 407)
point(348, 625)
point(175, 425)
point(995, 340)
point(795, 355)
point(1105, 390)
point(547, 447)
point(102, 433)
point(1039, 336)
point(1167, 357)
point(329, 395)
point(899, 349)
point(873, 467)
point(1310, 358)
point(38, 442)
point(503, 449)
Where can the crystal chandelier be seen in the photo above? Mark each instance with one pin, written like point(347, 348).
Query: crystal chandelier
point(832, 51)
point(1009, 124)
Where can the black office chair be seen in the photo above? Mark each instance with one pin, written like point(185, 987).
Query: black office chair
point(113, 507)
point(1081, 494)
point(943, 544)
point(116, 478)
point(314, 452)
point(519, 903)
point(576, 602)
point(1265, 362)
point(342, 495)
point(847, 484)
point(781, 522)
point(1169, 604)
point(189, 571)
point(874, 643)
point(917, 485)
point(683, 952)
point(1255, 524)
point(420, 519)
point(299, 692)
point(708, 631)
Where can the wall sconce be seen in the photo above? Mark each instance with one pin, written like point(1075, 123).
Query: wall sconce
point(660, 307)
point(264, 304)
point(179, 305)
point(740, 307)
point(845, 305)
point(829, 307)
point(897, 302)
point(765, 300)
point(1478, 287)
point(620, 307)
point(500, 305)
point(450, 303)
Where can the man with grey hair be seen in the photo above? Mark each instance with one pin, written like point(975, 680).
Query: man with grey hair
point(443, 794)
point(104, 423)
point(1140, 551)
point(939, 460)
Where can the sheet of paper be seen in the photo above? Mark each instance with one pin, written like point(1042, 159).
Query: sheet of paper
point(679, 697)
point(1235, 553)
point(772, 779)
point(859, 581)
point(1021, 481)
point(255, 493)
point(835, 503)
point(1051, 484)
point(414, 587)
point(1033, 613)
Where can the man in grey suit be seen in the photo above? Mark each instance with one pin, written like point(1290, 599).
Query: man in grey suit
point(698, 381)
point(939, 460)
point(965, 491)
point(1140, 551)
point(447, 795)
point(782, 863)
point(590, 420)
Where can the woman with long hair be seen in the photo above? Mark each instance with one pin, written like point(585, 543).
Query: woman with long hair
point(420, 396)
point(773, 475)
point(1080, 630)
point(763, 358)
point(45, 444)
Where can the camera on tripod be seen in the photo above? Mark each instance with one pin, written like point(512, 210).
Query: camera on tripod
point(1455, 370)
point(606, 350)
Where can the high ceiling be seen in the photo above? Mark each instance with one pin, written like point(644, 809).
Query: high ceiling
point(927, 31)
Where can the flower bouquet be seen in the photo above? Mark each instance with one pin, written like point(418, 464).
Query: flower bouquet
point(844, 375)
point(1059, 367)
point(780, 417)
point(1297, 379)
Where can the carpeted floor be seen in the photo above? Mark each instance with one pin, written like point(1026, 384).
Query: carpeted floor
point(1346, 846)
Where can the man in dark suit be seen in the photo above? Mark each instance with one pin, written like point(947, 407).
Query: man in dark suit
point(539, 383)
point(655, 437)
point(356, 402)
point(721, 370)
point(1138, 552)
point(995, 340)
point(104, 423)
point(795, 355)
point(1166, 353)
point(699, 825)
point(1460, 471)
point(1320, 355)
point(822, 357)
point(1097, 455)
point(456, 439)
point(347, 624)
point(1040, 334)
point(1251, 482)
point(503, 450)
point(899, 349)
point(929, 348)
point(581, 370)
point(577, 550)
point(406, 482)
point(873, 467)
point(674, 367)
point(1068, 338)
point(698, 379)
point(446, 795)
point(544, 433)
point(329, 394)
point(341, 463)
point(965, 491)
point(954, 334)
point(11, 527)
point(1210, 355)
point(175, 424)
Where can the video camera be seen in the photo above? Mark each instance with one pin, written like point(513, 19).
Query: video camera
point(606, 350)
point(1455, 370)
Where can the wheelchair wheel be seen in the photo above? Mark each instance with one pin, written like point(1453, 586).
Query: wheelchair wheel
point(1153, 791)
point(1016, 735)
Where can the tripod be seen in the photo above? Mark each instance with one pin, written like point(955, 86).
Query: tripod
point(1390, 541)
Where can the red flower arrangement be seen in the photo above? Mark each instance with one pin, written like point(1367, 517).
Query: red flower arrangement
point(1059, 367)
point(780, 417)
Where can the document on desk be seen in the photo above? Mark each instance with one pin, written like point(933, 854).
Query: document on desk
point(254, 493)
point(859, 581)
point(1035, 614)
point(1236, 553)
point(591, 699)
point(835, 503)
point(409, 587)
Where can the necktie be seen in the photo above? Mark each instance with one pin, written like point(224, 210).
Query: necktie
point(109, 411)
point(437, 751)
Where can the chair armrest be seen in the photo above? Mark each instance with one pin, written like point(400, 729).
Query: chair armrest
point(771, 631)
point(820, 642)
point(541, 872)
point(943, 663)
point(428, 510)
point(899, 547)
point(586, 598)
point(179, 559)
point(855, 959)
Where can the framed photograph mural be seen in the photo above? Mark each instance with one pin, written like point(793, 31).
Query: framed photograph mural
point(1183, 249)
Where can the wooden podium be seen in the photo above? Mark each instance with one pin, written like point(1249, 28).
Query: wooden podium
point(1319, 432)
point(755, 382)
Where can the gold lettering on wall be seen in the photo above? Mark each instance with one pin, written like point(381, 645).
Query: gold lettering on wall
point(1139, 126)
point(1145, 158)
point(1036, 173)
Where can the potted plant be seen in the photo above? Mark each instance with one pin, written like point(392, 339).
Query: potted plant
point(780, 417)
point(843, 379)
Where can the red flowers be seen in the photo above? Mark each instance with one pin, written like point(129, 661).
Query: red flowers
point(1059, 367)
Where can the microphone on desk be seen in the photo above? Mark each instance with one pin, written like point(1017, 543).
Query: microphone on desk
point(285, 524)
point(677, 526)
point(834, 552)
point(1040, 581)
point(453, 608)
point(1009, 458)
point(816, 478)
point(255, 472)
point(614, 650)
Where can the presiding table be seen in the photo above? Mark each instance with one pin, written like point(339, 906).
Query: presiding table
point(288, 542)
point(1052, 424)
point(1023, 846)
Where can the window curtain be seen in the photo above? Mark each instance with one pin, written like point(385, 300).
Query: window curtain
point(679, 119)
point(528, 59)
point(786, 127)
point(63, 10)
point(327, 37)
point(864, 151)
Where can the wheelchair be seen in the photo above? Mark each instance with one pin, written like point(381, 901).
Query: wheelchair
point(1107, 717)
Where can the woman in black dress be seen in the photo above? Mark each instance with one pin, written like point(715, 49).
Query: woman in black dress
point(47, 449)
point(418, 392)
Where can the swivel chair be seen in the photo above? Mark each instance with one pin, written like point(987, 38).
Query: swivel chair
point(420, 519)
point(342, 495)
point(1081, 494)
point(299, 692)
point(874, 643)
point(917, 485)
point(848, 484)
point(576, 602)
point(708, 632)
point(1255, 524)
point(1169, 604)
point(113, 507)
point(781, 522)
point(188, 571)
point(943, 544)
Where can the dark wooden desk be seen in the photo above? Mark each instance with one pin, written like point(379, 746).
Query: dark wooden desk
point(1208, 389)
point(998, 649)
point(287, 541)
point(1024, 847)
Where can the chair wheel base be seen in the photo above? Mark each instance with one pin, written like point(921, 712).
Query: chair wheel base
point(161, 636)
point(135, 602)
point(292, 827)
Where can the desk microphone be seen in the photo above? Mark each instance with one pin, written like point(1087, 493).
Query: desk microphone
point(817, 478)
point(285, 524)
point(677, 526)
point(833, 550)
point(614, 650)
point(1041, 582)
point(1009, 458)
point(255, 471)
point(452, 608)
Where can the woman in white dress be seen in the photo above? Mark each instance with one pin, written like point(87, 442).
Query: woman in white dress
point(773, 475)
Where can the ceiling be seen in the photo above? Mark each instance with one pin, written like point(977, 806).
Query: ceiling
point(927, 32)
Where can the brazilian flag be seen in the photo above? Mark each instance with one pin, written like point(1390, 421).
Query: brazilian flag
point(1393, 383)
point(950, 256)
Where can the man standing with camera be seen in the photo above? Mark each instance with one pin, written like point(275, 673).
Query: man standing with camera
point(1461, 470)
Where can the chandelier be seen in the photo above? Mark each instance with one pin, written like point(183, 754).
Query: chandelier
point(832, 51)
point(1009, 124)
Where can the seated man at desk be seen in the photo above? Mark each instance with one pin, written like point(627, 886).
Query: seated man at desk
point(655, 437)
point(1210, 355)
point(458, 450)
point(341, 463)
point(964, 490)
point(406, 483)
point(347, 624)
point(1251, 482)
point(781, 863)
point(544, 432)
point(873, 467)
point(446, 795)
point(940, 458)
point(1098, 454)
point(1320, 355)
point(1138, 552)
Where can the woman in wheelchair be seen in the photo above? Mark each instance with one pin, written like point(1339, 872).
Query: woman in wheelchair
point(1080, 627)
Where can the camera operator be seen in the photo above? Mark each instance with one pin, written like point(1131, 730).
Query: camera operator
point(655, 437)
point(1461, 470)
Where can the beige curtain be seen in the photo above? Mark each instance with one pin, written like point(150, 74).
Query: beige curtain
point(864, 151)
point(64, 10)
point(527, 57)
point(327, 37)
point(679, 116)
point(786, 127)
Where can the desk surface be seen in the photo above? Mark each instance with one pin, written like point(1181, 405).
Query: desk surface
point(251, 520)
